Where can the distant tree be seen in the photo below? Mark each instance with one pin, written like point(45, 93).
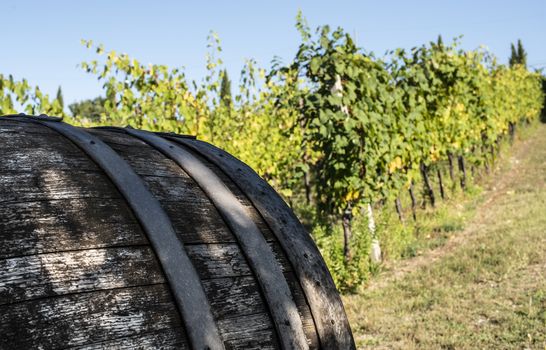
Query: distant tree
point(522, 55)
point(225, 89)
point(517, 54)
point(90, 108)
point(440, 41)
point(513, 55)
point(60, 97)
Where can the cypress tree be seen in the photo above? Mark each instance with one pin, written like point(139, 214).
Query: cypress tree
point(518, 55)
point(522, 55)
point(513, 56)
point(225, 89)
point(440, 41)
point(60, 97)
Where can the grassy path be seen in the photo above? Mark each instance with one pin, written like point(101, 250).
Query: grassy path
point(485, 288)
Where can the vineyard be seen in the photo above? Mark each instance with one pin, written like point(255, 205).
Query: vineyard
point(360, 146)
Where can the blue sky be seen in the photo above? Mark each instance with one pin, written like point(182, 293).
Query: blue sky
point(40, 40)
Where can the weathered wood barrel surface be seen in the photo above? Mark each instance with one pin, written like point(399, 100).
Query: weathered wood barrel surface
point(120, 238)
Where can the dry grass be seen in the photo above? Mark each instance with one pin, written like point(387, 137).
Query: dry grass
point(485, 288)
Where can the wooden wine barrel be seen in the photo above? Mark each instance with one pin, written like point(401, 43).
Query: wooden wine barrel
point(121, 238)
